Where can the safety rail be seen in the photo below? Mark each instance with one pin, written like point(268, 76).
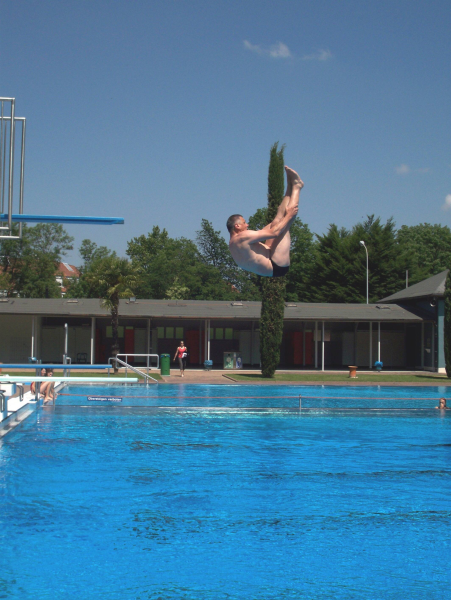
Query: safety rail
point(66, 361)
point(21, 391)
point(127, 366)
point(147, 356)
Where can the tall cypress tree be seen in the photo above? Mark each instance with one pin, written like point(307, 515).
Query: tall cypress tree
point(273, 290)
point(447, 335)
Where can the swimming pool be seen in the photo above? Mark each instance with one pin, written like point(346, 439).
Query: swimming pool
point(127, 500)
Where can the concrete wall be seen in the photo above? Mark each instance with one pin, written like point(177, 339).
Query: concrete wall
point(15, 338)
point(392, 348)
point(52, 343)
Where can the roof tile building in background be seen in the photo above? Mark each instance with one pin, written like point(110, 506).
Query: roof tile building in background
point(64, 271)
point(68, 272)
point(404, 331)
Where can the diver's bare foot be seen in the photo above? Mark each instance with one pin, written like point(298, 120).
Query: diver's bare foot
point(293, 178)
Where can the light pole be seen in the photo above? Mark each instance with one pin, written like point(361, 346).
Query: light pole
point(366, 250)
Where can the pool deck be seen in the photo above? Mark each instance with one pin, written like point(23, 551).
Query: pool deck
point(222, 377)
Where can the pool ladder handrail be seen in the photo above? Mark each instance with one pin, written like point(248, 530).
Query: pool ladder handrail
point(127, 366)
point(4, 398)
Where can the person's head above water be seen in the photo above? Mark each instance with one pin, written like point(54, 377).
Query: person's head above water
point(232, 221)
point(442, 403)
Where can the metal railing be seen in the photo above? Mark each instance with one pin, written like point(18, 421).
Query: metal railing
point(127, 366)
point(21, 391)
point(146, 356)
point(66, 361)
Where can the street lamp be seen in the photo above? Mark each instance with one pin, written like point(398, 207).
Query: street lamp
point(366, 250)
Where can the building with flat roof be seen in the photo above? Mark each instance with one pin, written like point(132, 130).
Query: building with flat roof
point(404, 331)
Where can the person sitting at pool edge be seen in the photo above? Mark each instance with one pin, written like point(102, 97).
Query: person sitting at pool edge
point(48, 388)
point(267, 252)
point(442, 404)
point(33, 383)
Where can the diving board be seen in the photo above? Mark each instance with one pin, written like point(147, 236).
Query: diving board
point(68, 366)
point(12, 127)
point(58, 379)
point(18, 218)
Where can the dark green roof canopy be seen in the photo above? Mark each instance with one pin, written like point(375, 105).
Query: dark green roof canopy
point(432, 287)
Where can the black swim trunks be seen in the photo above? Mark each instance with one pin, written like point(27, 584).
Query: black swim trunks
point(278, 271)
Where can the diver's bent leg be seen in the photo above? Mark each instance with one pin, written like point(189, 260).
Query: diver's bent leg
point(283, 205)
point(280, 250)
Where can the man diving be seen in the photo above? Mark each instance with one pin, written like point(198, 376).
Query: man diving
point(267, 252)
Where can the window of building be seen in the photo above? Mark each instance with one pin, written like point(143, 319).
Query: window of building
point(109, 331)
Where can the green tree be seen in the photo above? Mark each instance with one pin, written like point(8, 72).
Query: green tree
point(116, 278)
point(177, 291)
point(339, 274)
point(447, 332)
point(166, 262)
point(90, 253)
point(31, 263)
point(302, 263)
point(214, 249)
point(387, 263)
point(273, 290)
point(5, 284)
point(428, 247)
point(214, 252)
point(86, 286)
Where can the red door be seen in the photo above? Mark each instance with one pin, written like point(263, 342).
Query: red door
point(298, 347)
point(192, 343)
point(309, 348)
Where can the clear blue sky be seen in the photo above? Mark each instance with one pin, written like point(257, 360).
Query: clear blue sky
point(164, 111)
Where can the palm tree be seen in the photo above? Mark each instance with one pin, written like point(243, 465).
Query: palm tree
point(117, 278)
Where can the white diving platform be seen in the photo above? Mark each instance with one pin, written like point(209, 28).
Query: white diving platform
point(58, 379)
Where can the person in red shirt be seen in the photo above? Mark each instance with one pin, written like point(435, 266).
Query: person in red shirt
point(181, 353)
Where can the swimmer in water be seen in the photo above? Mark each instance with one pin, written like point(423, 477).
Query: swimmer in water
point(442, 404)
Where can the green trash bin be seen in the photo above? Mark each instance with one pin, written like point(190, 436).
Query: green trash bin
point(165, 364)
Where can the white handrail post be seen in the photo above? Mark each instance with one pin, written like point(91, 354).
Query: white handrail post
point(93, 333)
point(316, 344)
point(33, 335)
point(379, 341)
point(208, 338)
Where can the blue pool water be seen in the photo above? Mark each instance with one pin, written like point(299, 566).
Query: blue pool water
point(150, 499)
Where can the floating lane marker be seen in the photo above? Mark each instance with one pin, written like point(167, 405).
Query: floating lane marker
point(104, 399)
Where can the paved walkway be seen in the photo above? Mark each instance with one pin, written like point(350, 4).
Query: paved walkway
point(199, 376)
point(221, 377)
